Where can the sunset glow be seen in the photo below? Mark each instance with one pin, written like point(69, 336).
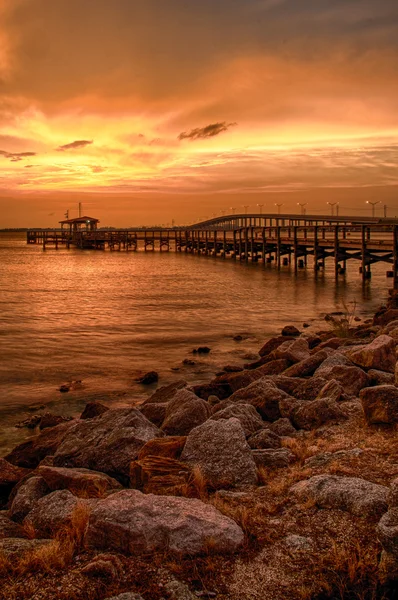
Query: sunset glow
point(148, 111)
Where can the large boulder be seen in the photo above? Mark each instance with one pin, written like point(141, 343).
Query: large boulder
point(357, 496)
point(381, 377)
point(137, 523)
point(293, 350)
point(165, 393)
point(52, 512)
point(83, 483)
point(9, 477)
point(314, 413)
point(26, 496)
point(9, 529)
point(271, 345)
point(264, 396)
point(220, 450)
point(184, 412)
point(29, 454)
point(155, 413)
point(308, 366)
point(246, 415)
point(107, 444)
point(93, 409)
point(380, 404)
point(309, 389)
point(353, 379)
point(379, 354)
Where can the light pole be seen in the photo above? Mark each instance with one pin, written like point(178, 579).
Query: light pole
point(303, 205)
point(279, 207)
point(233, 209)
point(246, 206)
point(373, 206)
point(332, 205)
point(385, 210)
point(261, 208)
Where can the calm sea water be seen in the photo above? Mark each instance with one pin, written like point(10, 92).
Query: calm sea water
point(101, 317)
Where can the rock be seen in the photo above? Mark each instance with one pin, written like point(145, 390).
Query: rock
point(93, 409)
point(179, 591)
point(105, 566)
point(385, 316)
point(298, 543)
point(272, 345)
point(315, 413)
point(232, 369)
point(155, 413)
point(246, 415)
point(14, 548)
point(221, 389)
point(293, 350)
point(170, 447)
point(236, 381)
point(52, 512)
point(264, 396)
point(135, 523)
point(379, 354)
point(380, 404)
point(273, 367)
point(387, 531)
point(273, 459)
point(9, 529)
point(352, 494)
point(325, 458)
point(221, 405)
point(306, 367)
point(9, 476)
point(188, 362)
point(283, 427)
point(287, 384)
point(26, 496)
point(332, 389)
point(201, 350)
point(335, 359)
point(184, 412)
point(334, 343)
point(107, 444)
point(165, 393)
point(352, 379)
point(82, 483)
point(393, 495)
point(126, 596)
point(64, 388)
point(50, 420)
point(220, 449)
point(264, 439)
point(31, 453)
point(290, 330)
point(148, 378)
point(31, 422)
point(159, 474)
point(213, 400)
point(287, 406)
point(310, 388)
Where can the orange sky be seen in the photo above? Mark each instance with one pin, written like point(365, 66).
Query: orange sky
point(153, 110)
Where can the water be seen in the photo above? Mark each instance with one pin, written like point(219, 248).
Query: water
point(101, 317)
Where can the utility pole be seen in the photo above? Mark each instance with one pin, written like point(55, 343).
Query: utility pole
point(246, 206)
point(303, 205)
point(373, 206)
point(261, 208)
point(80, 209)
point(233, 210)
point(332, 205)
point(279, 207)
point(385, 210)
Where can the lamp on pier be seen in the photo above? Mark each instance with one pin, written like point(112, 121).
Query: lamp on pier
point(373, 204)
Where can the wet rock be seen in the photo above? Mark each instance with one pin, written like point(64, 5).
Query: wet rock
point(26, 496)
point(352, 379)
point(15, 548)
point(315, 413)
point(232, 369)
point(271, 345)
point(246, 415)
point(188, 362)
point(202, 350)
point(290, 330)
point(107, 444)
point(283, 427)
point(170, 447)
point(380, 404)
point(134, 523)
point(184, 412)
point(306, 367)
point(31, 453)
point(82, 483)
point(50, 420)
point(93, 409)
point(293, 350)
point(148, 378)
point(220, 449)
point(273, 458)
point(264, 396)
point(379, 354)
point(9, 529)
point(64, 388)
point(264, 439)
point(221, 389)
point(155, 413)
point(352, 494)
point(30, 423)
point(52, 512)
point(165, 393)
point(385, 316)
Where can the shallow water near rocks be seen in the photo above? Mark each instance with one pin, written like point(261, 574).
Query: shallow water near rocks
point(103, 317)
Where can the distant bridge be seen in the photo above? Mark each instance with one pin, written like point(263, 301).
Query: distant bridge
point(280, 239)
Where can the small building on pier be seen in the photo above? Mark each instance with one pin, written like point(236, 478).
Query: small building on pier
point(80, 224)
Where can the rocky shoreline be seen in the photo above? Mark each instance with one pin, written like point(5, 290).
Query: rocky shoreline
point(277, 480)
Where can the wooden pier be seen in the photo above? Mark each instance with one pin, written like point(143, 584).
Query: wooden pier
point(279, 239)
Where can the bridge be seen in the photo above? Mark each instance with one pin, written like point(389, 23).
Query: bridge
point(281, 239)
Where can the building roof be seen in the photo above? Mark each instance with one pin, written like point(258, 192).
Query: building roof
point(80, 220)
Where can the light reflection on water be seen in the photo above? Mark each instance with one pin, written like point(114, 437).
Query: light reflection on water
point(103, 316)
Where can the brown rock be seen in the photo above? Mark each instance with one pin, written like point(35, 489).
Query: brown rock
point(271, 345)
point(221, 389)
point(52, 512)
point(9, 529)
point(82, 483)
point(315, 413)
point(380, 404)
point(105, 566)
point(184, 412)
point(385, 316)
point(170, 447)
point(332, 389)
point(93, 409)
point(165, 393)
point(293, 350)
point(273, 367)
point(264, 439)
point(148, 378)
point(26, 496)
point(155, 413)
point(15, 548)
point(306, 367)
point(273, 458)
point(50, 420)
point(379, 354)
point(380, 377)
point(290, 331)
point(9, 476)
point(264, 396)
point(353, 379)
point(246, 415)
point(309, 388)
point(283, 428)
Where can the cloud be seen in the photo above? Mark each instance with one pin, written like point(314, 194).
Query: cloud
point(200, 133)
point(16, 156)
point(75, 145)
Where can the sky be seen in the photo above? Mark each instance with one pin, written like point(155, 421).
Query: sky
point(149, 111)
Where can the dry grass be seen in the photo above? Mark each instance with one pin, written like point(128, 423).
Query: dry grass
point(341, 325)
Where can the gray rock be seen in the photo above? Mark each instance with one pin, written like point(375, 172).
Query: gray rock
point(387, 531)
point(264, 396)
point(380, 404)
point(325, 458)
point(274, 459)
point(293, 350)
point(352, 494)
point(14, 548)
point(379, 354)
point(26, 496)
point(52, 512)
point(246, 415)
point(184, 412)
point(298, 543)
point(107, 444)
point(132, 522)
point(179, 591)
point(264, 439)
point(352, 379)
point(315, 413)
point(220, 449)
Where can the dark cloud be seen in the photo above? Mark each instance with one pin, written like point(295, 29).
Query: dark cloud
point(200, 133)
point(75, 145)
point(16, 156)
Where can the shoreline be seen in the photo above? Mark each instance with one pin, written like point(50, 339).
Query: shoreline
point(277, 473)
